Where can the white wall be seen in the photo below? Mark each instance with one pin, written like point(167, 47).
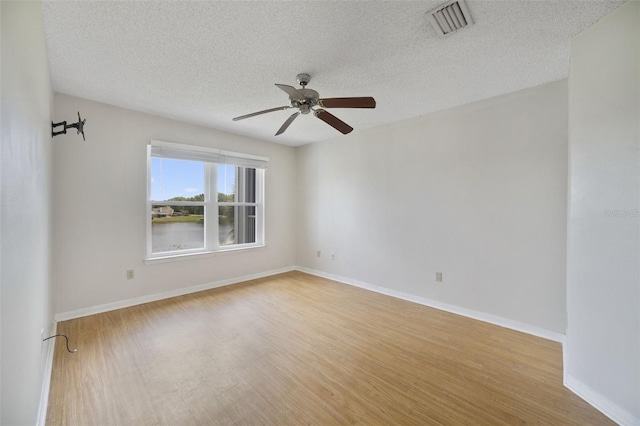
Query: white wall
point(477, 192)
point(100, 208)
point(25, 218)
point(603, 300)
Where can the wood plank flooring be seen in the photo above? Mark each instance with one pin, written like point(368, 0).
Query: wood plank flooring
point(295, 349)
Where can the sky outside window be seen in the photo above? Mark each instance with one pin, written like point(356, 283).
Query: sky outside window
point(226, 178)
point(176, 178)
point(182, 178)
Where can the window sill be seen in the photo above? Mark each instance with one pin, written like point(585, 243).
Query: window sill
point(199, 255)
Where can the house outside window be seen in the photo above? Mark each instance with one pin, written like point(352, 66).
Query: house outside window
point(202, 200)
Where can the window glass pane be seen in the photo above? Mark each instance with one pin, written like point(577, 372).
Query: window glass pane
point(226, 183)
point(176, 228)
point(176, 180)
point(226, 225)
point(236, 184)
point(248, 185)
point(236, 225)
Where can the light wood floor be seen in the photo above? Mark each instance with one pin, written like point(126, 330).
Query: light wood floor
point(296, 349)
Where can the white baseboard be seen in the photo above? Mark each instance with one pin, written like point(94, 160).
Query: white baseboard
point(46, 378)
point(600, 402)
point(481, 316)
point(64, 316)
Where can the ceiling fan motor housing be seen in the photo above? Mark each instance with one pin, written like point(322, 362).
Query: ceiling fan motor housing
point(310, 100)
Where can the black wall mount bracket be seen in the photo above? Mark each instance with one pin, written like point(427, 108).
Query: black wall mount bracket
point(79, 126)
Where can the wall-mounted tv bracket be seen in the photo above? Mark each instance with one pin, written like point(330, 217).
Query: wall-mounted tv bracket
point(79, 126)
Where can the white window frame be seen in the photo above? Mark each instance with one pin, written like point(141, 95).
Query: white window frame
point(211, 158)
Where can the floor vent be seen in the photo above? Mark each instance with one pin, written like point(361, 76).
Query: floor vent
point(450, 17)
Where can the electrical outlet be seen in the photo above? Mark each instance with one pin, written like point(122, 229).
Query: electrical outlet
point(333, 256)
point(319, 253)
point(439, 277)
point(130, 274)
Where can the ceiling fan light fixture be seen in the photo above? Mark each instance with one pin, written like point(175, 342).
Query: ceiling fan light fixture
point(450, 17)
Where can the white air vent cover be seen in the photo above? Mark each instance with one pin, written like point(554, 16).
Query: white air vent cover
point(450, 17)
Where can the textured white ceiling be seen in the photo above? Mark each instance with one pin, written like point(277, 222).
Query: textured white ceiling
point(206, 62)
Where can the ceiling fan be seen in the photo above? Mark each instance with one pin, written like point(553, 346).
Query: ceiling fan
point(307, 100)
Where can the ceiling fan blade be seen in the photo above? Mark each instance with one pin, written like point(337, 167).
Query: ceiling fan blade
point(291, 91)
point(287, 123)
point(253, 114)
point(366, 102)
point(333, 121)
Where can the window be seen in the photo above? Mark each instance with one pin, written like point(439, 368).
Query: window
point(203, 200)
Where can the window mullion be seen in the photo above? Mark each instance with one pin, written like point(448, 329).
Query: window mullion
point(149, 203)
point(211, 208)
point(260, 208)
point(229, 203)
point(178, 203)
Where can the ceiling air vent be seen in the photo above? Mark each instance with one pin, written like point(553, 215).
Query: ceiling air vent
point(450, 17)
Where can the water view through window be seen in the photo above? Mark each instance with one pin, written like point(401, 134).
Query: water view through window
point(179, 205)
point(178, 224)
point(177, 228)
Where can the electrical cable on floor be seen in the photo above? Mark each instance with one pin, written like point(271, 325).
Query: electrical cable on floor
point(66, 338)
